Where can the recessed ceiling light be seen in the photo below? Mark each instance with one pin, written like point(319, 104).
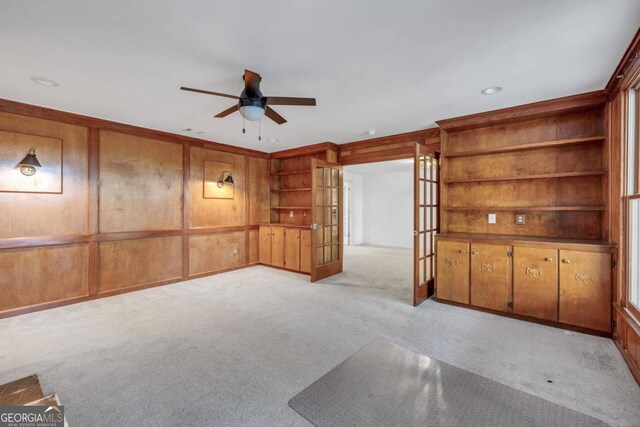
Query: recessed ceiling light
point(44, 81)
point(371, 132)
point(194, 131)
point(272, 140)
point(491, 90)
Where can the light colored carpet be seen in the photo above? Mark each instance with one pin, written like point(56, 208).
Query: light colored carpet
point(232, 349)
point(380, 270)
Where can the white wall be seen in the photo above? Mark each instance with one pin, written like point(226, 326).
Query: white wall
point(381, 204)
point(388, 207)
point(355, 182)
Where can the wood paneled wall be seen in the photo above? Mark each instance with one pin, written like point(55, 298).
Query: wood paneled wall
point(131, 214)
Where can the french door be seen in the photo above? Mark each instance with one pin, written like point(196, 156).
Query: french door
point(425, 221)
point(326, 218)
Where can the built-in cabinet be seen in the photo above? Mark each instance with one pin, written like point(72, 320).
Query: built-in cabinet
point(564, 282)
point(285, 247)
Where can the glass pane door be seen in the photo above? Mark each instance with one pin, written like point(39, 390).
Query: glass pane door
point(425, 222)
point(327, 219)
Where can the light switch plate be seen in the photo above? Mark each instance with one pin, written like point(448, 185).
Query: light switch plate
point(491, 218)
point(520, 219)
point(290, 214)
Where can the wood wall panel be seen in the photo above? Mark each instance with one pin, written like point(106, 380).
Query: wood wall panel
point(130, 263)
point(140, 183)
point(254, 245)
point(216, 212)
point(258, 190)
point(40, 275)
point(30, 214)
point(214, 252)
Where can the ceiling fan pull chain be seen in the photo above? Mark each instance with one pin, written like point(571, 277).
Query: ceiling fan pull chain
point(259, 130)
point(243, 130)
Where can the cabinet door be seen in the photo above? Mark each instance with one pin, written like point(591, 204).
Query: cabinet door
point(585, 289)
point(535, 282)
point(490, 276)
point(277, 246)
point(292, 248)
point(453, 271)
point(305, 251)
point(264, 247)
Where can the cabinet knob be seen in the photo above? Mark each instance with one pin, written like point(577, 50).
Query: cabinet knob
point(475, 253)
point(462, 251)
point(566, 261)
point(548, 259)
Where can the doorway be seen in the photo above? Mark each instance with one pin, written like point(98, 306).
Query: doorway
point(378, 203)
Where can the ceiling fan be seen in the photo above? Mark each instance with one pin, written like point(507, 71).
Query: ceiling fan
point(252, 104)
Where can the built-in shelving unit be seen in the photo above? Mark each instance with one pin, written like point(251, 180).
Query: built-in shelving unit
point(290, 195)
point(551, 168)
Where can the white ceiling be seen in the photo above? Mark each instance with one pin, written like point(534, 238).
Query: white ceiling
point(379, 168)
point(393, 66)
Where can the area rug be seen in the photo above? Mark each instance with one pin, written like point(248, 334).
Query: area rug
point(384, 384)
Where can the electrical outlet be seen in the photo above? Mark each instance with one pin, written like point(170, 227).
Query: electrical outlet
point(235, 250)
point(290, 214)
point(520, 219)
point(491, 218)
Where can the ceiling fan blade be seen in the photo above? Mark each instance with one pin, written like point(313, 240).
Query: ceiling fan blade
point(207, 92)
point(270, 112)
point(288, 100)
point(251, 82)
point(226, 112)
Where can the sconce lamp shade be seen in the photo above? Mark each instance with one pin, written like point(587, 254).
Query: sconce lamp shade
point(30, 159)
point(223, 180)
point(29, 164)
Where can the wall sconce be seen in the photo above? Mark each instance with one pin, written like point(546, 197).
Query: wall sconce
point(29, 164)
point(223, 180)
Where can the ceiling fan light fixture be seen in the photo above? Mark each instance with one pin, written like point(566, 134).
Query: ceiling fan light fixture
point(252, 113)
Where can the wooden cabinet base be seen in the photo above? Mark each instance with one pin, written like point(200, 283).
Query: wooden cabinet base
point(529, 319)
point(550, 281)
point(285, 247)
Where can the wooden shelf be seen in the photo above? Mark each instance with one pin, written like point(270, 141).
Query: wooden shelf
point(292, 208)
point(286, 190)
point(524, 177)
point(286, 225)
point(527, 208)
point(300, 172)
point(529, 146)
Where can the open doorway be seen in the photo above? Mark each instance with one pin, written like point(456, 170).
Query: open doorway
point(378, 221)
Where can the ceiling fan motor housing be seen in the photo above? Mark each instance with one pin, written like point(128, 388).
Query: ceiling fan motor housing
point(254, 101)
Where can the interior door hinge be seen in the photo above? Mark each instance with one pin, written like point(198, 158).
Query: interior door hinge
point(613, 323)
point(510, 253)
point(613, 263)
point(510, 304)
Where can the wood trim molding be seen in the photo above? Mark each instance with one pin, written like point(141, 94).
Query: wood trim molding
point(420, 136)
point(94, 207)
point(29, 242)
point(30, 110)
point(628, 70)
point(304, 150)
point(568, 104)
